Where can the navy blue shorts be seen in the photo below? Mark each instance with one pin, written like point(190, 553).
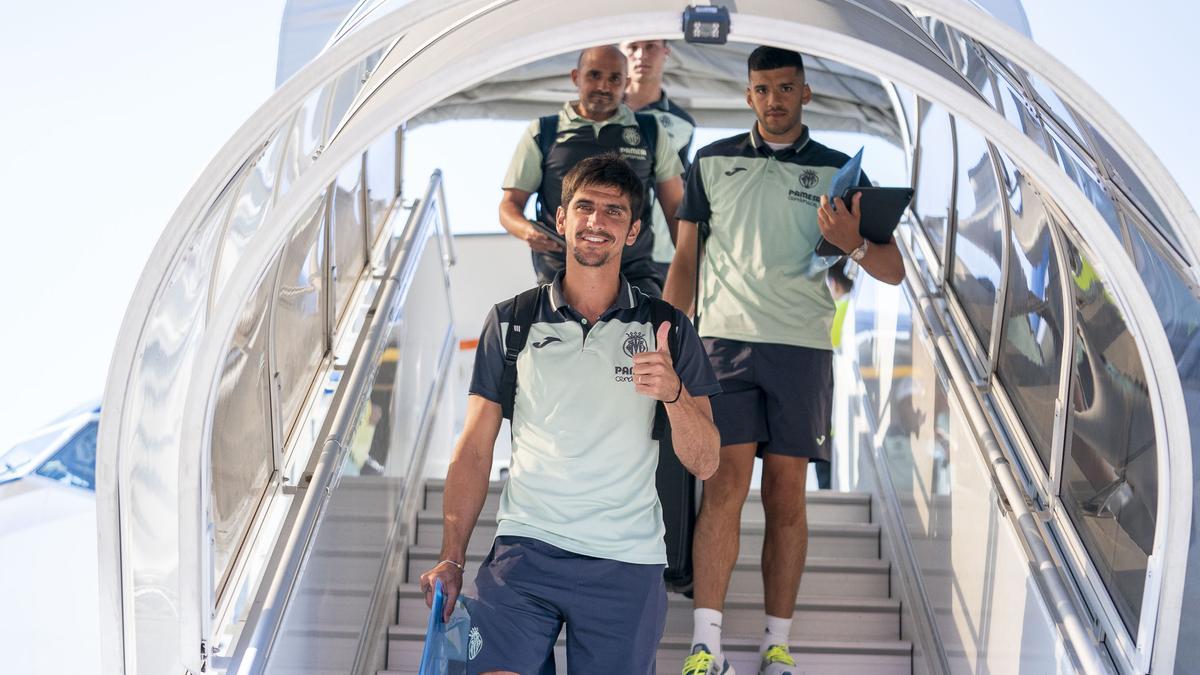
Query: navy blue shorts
point(527, 589)
point(778, 396)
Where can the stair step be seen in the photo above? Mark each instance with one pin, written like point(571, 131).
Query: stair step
point(823, 506)
point(829, 540)
point(883, 657)
point(854, 619)
point(823, 577)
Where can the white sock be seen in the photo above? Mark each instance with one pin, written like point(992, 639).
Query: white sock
point(706, 630)
point(778, 633)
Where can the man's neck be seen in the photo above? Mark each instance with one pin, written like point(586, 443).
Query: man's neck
point(579, 110)
point(642, 93)
point(790, 137)
point(591, 290)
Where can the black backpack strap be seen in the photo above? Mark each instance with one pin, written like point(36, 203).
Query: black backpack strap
point(524, 306)
point(648, 125)
point(663, 312)
point(547, 134)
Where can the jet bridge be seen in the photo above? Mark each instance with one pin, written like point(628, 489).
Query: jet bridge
point(1017, 422)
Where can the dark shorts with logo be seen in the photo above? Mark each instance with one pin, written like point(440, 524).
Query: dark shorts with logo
point(527, 589)
point(778, 396)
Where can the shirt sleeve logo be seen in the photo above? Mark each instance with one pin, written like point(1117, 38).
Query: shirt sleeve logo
point(631, 136)
point(809, 179)
point(635, 343)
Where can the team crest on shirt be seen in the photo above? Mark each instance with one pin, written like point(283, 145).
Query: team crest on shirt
point(631, 136)
point(635, 343)
point(809, 178)
point(474, 643)
point(666, 121)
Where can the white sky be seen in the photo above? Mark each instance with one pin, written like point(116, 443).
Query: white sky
point(111, 110)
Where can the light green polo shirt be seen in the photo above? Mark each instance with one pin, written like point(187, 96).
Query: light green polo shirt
point(759, 281)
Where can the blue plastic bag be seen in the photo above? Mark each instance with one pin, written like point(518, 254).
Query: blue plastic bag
point(447, 643)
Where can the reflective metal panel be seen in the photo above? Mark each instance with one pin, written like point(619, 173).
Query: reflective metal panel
point(256, 194)
point(978, 232)
point(1125, 177)
point(305, 136)
point(1030, 359)
point(149, 462)
point(345, 89)
point(1019, 112)
point(1083, 173)
point(298, 336)
point(1110, 480)
point(243, 455)
point(349, 234)
point(381, 181)
point(935, 173)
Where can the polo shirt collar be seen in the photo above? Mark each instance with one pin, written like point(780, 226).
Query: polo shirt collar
point(623, 116)
point(761, 146)
point(626, 298)
point(662, 103)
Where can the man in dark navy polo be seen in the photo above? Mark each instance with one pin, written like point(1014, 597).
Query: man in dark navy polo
point(596, 123)
point(644, 93)
point(580, 531)
point(764, 314)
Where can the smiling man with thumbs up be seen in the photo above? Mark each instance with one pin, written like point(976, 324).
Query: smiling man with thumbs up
point(580, 366)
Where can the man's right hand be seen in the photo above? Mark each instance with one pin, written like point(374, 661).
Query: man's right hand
point(451, 577)
point(540, 241)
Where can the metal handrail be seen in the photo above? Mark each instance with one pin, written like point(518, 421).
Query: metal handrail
point(280, 580)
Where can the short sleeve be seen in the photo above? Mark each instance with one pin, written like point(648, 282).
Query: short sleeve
point(695, 206)
point(525, 169)
point(489, 359)
point(692, 364)
point(666, 161)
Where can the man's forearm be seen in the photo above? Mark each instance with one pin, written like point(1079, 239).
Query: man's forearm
point(512, 218)
point(466, 491)
point(695, 438)
point(883, 262)
point(680, 290)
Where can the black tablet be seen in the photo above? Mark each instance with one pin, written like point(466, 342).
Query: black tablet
point(882, 208)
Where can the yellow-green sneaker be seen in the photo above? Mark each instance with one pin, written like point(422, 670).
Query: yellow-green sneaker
point(777, 661)
point(702, 662)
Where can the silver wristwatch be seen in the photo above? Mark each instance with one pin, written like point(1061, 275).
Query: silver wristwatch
point(859, 253)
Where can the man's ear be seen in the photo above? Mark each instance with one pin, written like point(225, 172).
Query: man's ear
point(634, 228)
point(806, 95)
point(575, 77)
point(749, 100)
point(560, 221)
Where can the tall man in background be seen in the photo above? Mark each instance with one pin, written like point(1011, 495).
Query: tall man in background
point(644, 94)
point(764, 316)
point(594, 124)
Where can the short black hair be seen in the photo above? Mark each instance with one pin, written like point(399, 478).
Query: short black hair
point(770, 58)
point(608, 170)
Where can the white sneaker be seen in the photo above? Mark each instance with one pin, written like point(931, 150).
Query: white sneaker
point(702, 662)
point(777, 661)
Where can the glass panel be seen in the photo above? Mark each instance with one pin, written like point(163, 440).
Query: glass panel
point(349, 234)
point(935, 173)
point(243, 455)
point(351, 544)
point(304, 137)
point(75, 463)
point(1080, 171)
point(1061, 111)
point(978, 232)
point(908, 105)
point(974, 68)
point(1133, 186)
point(381, 181)
point(299, 333)
point(1030, 358)
point(1017, 111)
point(348, 84)
point(941, 36)
point(253, 202)
point(1109, 482)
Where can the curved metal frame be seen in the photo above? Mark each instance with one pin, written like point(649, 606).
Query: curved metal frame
point(374, 114)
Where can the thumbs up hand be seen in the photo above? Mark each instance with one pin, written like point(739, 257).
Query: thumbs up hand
point(654, 372)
